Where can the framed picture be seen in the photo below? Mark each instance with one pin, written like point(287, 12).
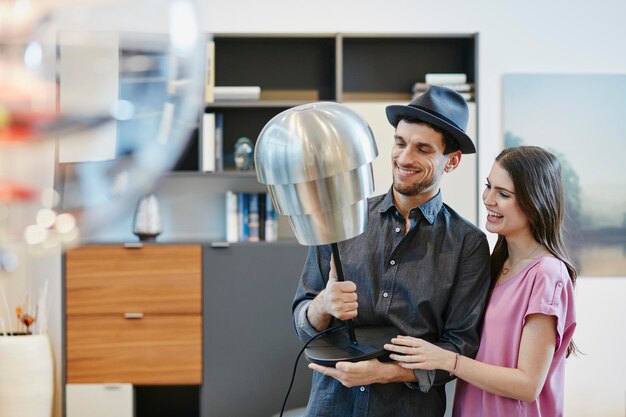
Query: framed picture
point(581, 118)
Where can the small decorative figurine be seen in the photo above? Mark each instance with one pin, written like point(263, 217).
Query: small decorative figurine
point(244, 154)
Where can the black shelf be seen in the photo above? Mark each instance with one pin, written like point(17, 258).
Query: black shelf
point(277, 63)
point(295, 69)
point(393, 65)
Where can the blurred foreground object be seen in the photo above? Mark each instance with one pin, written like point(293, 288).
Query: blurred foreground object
point(97, 100)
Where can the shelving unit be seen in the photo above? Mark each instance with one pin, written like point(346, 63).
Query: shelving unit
point(364, 71)
point(296, 69)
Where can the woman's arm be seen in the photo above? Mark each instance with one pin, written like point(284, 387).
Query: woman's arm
point(523, 383)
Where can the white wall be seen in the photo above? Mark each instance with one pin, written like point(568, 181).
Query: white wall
point(514, 37)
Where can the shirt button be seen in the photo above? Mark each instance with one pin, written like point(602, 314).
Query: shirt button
point(392, 262)
point(397, 229)
point(362, 389)
point(385, 295)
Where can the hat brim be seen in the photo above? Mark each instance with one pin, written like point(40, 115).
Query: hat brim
point(395, 113)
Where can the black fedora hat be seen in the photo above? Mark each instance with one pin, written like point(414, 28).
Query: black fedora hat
point(441, 107)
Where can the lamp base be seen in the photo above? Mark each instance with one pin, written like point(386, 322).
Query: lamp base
point(336, 346)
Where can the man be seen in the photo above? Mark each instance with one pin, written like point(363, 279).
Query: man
point(419, 267)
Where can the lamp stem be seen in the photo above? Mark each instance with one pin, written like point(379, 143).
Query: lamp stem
point(339, 269)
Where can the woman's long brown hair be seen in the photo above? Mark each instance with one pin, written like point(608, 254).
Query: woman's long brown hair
point(536, 176)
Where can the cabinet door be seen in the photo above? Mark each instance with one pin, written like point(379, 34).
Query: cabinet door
point(154, 350)
point(112, 279)
point(134, 315)
point(251, 344)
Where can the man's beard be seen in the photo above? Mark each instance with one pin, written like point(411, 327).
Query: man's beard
point(415, 188)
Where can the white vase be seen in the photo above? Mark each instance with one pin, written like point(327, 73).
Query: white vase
point(147, 224)
point(26, 376)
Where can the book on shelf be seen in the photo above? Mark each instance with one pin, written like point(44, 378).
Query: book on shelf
point(461, 88)
point(219, 142)
point(236, 93)
point(250, 217)
point(262, 215)
point(208, 142)
point(209, 82)
point(271, 220)
point(243, 216)
point(232, 226)
point(253, 217)
point(468, 96)
point(439, 78)
point(455, 80)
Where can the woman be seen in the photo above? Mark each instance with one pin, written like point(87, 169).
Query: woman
point(530, 318)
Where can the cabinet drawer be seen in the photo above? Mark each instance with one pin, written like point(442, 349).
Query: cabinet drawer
point(111, 279)
point(154, 350)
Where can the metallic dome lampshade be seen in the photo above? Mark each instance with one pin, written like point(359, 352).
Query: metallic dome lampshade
point(316, 160)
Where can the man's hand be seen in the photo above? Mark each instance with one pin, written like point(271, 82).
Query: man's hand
point(368, 372)
point(337, 300)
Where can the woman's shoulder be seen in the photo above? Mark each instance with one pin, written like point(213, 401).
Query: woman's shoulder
point(549, 268)
point(550, 262)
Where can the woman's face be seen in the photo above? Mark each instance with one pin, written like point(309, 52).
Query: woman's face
point(504, 215)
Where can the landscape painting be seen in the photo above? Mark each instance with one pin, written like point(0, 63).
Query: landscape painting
point(582, 119)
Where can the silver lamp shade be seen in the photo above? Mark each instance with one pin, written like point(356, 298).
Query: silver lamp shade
point(316, 161)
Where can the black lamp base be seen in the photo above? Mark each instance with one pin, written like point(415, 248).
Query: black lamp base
point(336, 346)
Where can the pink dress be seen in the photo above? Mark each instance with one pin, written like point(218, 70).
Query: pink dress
point(543, 287)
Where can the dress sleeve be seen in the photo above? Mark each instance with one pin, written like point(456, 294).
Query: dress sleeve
point(551, 294)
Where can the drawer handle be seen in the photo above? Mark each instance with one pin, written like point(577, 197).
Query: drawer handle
point(133, 245)
point(220, 245)
point(133, 316)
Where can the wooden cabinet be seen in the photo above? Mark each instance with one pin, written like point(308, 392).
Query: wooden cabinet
point(134, 314)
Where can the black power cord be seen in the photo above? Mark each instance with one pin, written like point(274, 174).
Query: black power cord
point(295, 365)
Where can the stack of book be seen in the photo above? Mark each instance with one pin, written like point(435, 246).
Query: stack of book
point(455, 81)
point(250, 217)
point(224, 93)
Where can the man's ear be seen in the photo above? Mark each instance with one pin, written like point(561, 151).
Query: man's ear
point(454, 158)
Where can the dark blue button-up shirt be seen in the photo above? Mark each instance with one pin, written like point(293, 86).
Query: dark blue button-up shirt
point(431, 282)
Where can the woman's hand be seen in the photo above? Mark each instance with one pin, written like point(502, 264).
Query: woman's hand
point(414, 353)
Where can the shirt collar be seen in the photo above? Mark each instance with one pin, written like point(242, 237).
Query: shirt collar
point(429, 209)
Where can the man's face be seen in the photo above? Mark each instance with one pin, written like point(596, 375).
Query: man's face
point(417, 159)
